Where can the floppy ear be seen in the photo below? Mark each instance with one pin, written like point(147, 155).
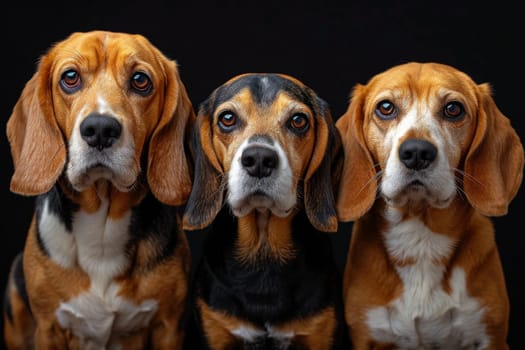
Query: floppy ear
point(168, 170)
point(358, 186)
point(206, 196)
point(37, 145)
point(494, 163)
point(319, 183)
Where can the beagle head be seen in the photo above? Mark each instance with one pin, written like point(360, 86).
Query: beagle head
point(100, 108)
point(424, 133)
point(267, 141)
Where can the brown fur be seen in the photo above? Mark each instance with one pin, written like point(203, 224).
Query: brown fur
point(39, 129)
point(263, 240)
point(487, 157)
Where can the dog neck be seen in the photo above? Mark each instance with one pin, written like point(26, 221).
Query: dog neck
point(91, 198)
point(444, 231)
point(262, 234)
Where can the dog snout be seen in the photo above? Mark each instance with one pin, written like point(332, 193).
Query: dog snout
point(259, 161)
point(100, 131)
point(417, 154)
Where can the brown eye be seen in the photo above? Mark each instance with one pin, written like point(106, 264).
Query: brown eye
point(70, 81)
point(227, 121)
point(453, 110)
point(386, 110)
point(298, 123)
point(141, 83)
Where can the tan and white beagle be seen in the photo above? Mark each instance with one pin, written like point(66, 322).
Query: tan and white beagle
point(428, 158)
point(98, 135)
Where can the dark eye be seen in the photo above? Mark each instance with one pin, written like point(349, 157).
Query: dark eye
point(453, 110)
point(141, 83)
point(298, 123)
point(70, 81)
point(386, 110)
point(227, 121)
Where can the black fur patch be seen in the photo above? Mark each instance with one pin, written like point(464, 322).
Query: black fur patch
point(264, 88)
point(156, 222)
point(20, 285)
point(268, 291)
point(59, 205)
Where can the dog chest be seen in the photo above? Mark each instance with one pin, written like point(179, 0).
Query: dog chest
point(425, 316)
point(99, 319)
point(91, 241)
point(97, 245)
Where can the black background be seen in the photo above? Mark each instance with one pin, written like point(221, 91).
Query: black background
point(329, 46)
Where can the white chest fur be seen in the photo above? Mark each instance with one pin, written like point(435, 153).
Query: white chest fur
point(99, 320)
point(425, 316)
point(97, 244)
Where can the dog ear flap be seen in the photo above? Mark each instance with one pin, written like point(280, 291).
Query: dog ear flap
point(494, 163)
point(168, 169)
point(206, 196)
point(358, 186)
point(37, 145)
point(319, 181)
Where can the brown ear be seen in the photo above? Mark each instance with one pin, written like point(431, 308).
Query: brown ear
point(318, 184)
point(37, 145)
point(494, 163)
point(206, 198)
point(168, 170)
point(358, 186)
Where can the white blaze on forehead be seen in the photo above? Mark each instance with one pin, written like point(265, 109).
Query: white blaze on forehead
point(103, 107)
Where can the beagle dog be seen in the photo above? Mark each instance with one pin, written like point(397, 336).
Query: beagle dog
point(263, 193)
point(429, 158)
point(98, 136)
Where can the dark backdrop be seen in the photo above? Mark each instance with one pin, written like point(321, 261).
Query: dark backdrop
point(330, 47)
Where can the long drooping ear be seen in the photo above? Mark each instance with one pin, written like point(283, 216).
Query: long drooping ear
point(319, 197)
point(358, 186)
point(168, 170)
point(37, 145)
point(494, 163)
point(206, 198)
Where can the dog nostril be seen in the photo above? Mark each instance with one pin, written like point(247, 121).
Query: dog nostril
point(417, 154)
point(247, 161)
point(259, 161)
point(100, 131)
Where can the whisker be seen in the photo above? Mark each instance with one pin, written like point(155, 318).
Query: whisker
point(377, 177)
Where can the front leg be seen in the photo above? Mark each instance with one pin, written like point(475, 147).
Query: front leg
point(50, 336)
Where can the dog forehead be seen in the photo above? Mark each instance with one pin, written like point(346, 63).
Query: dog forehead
point(263, 89)
point(422, 80)
point(104, 47)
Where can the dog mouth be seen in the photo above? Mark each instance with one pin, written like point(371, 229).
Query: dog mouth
point(260, 201)
point(417, 192)
point(95, 173)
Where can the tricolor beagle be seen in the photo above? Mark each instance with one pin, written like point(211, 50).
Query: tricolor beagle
point(264, 194)
point(428, 157)
point(98, 135)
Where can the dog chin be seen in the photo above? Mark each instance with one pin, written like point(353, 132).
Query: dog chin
point(100, 176)
point(260, 203)
point(417, 195)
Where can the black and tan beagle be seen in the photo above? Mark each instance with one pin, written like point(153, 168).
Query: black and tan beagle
point(263, 193)
point(98, 135)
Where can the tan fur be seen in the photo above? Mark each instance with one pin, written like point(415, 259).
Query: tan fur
point(43, 121)
point(488, 160)
point(264, 239)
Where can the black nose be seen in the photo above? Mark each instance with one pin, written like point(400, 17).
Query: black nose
point(259, 161)
point(417, 154)
point(100, 131)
